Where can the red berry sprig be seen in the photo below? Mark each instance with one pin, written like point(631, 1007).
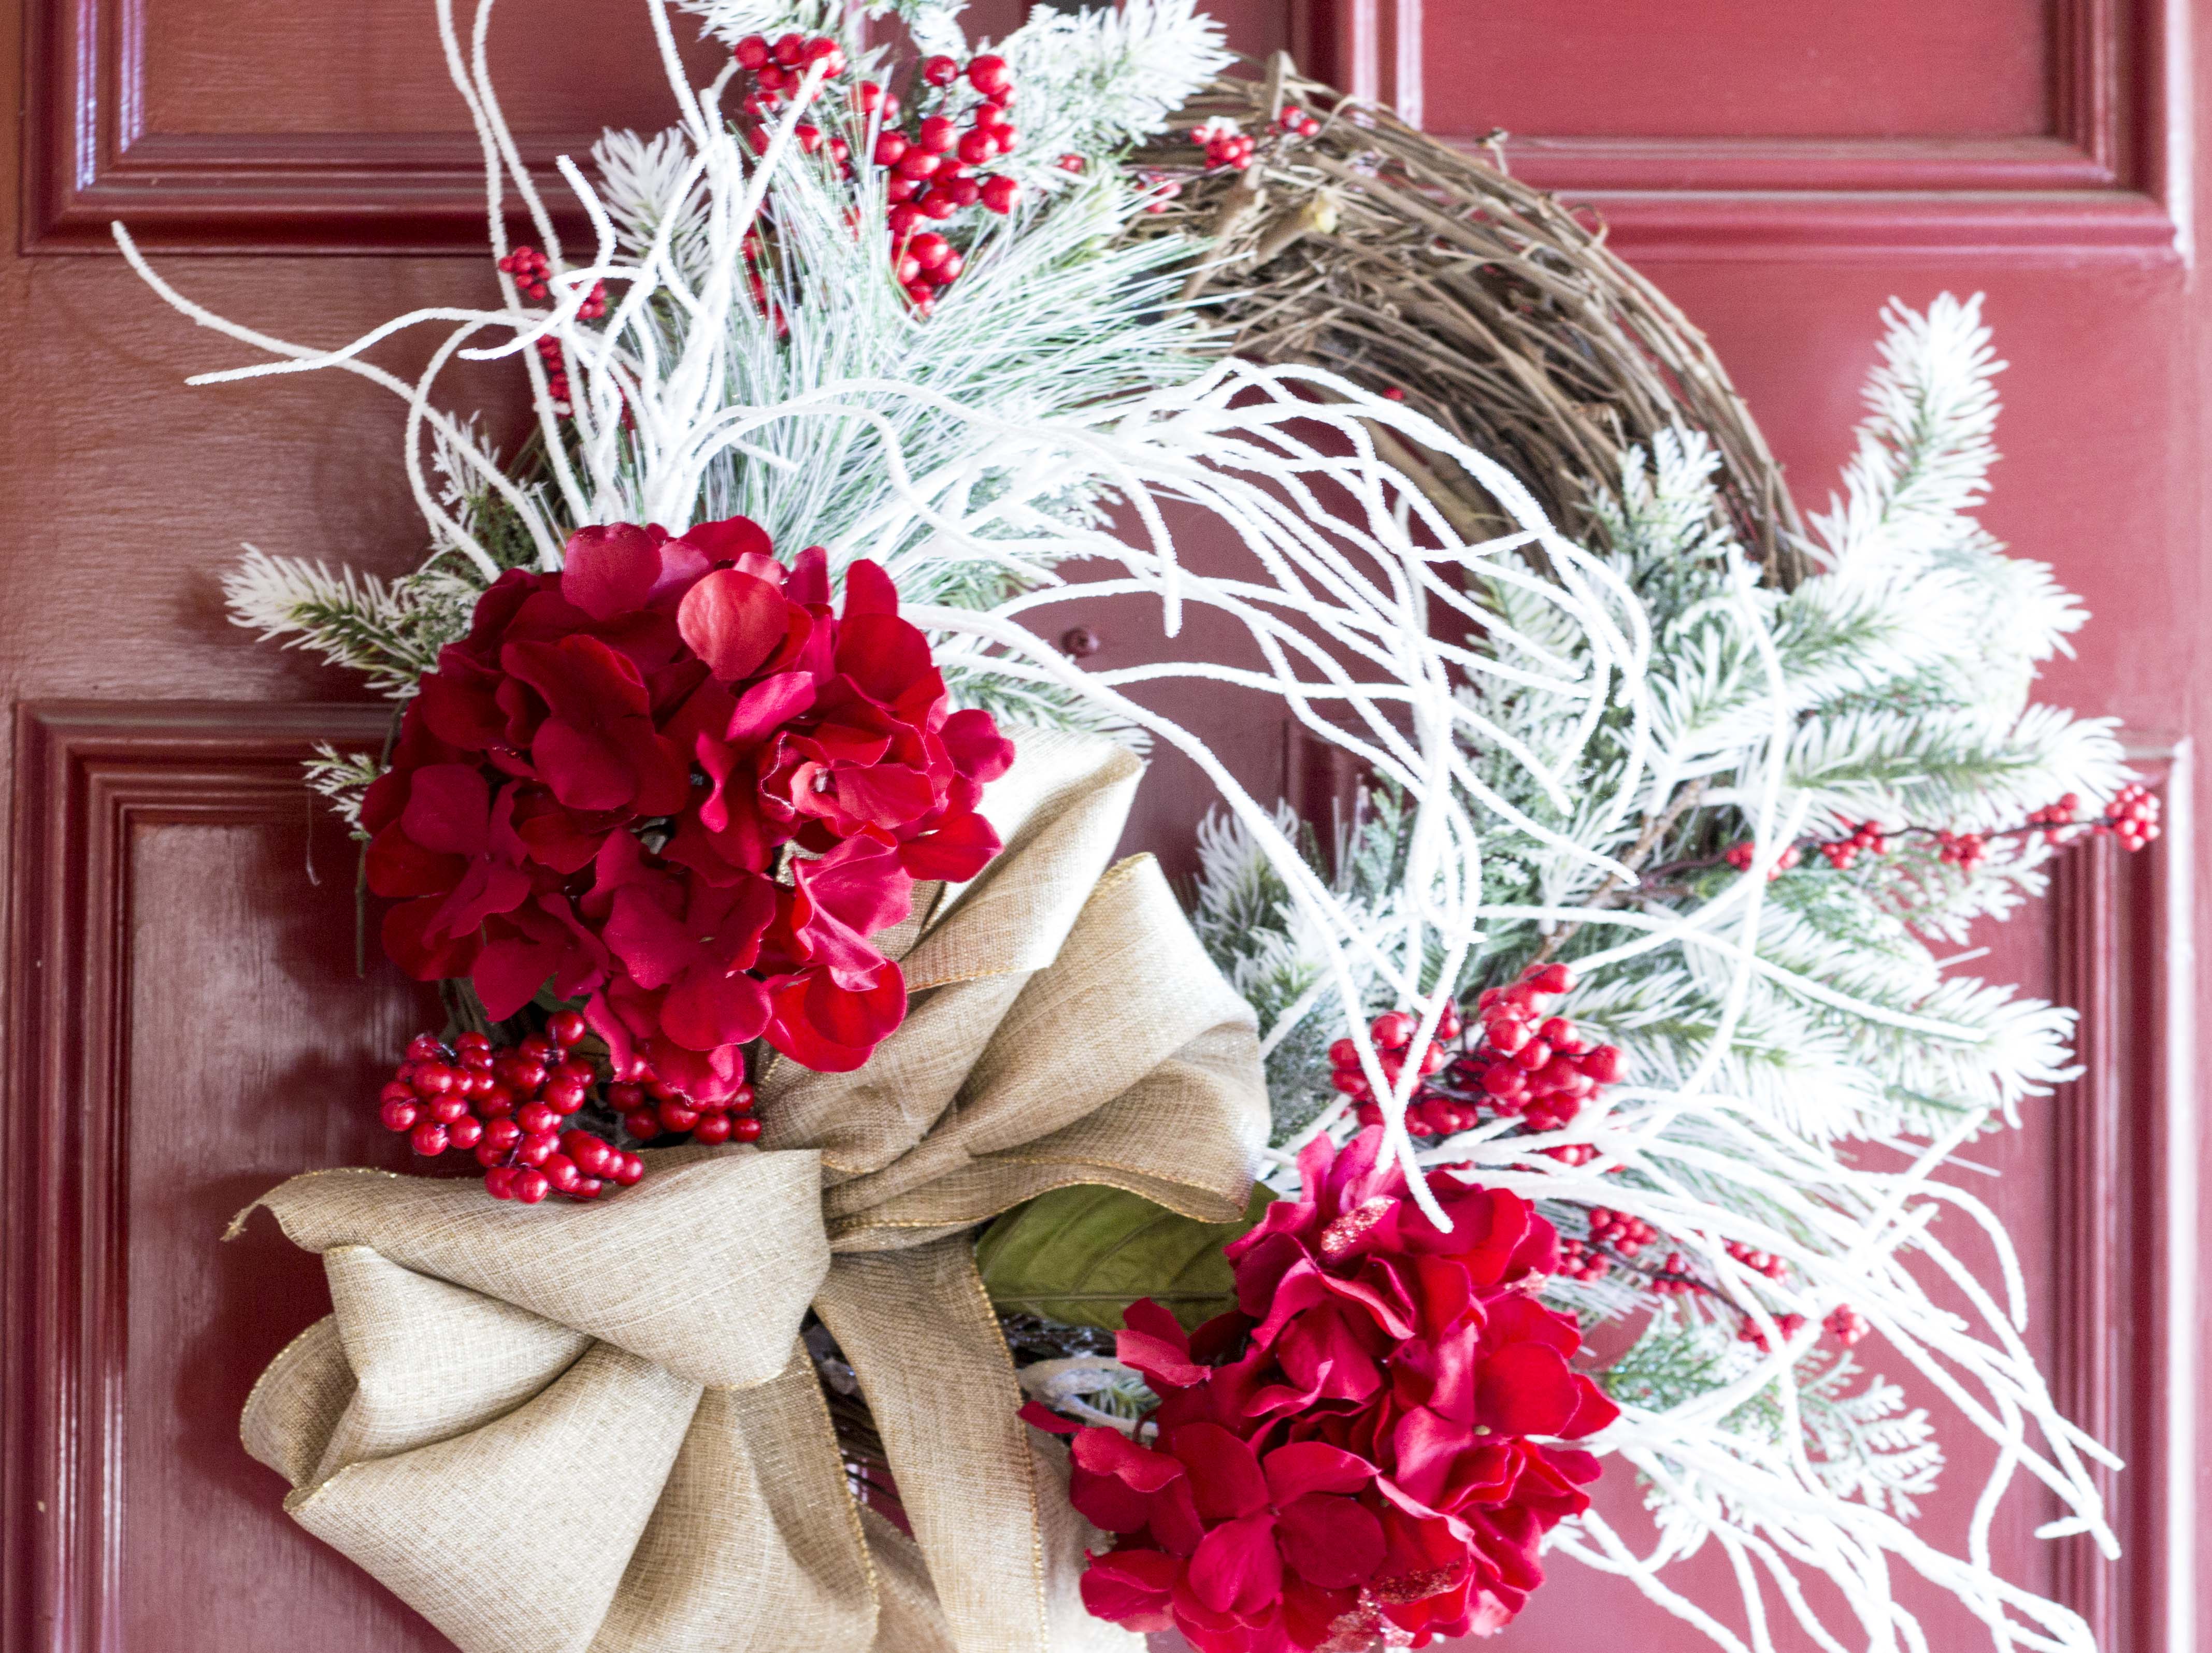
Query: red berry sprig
point(2132, 816)
point(1741, 856)
point(1616, 1238)
point(557, 374)
point(1225, 144)
point(937, 162)
point(1526, 1064)
point(1759, 1262)
point(1749, 1330)
point(530, 269)
point(650, 1109)
point(512, 1108)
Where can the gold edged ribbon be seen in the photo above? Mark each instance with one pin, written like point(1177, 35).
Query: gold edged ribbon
point(592, 1429)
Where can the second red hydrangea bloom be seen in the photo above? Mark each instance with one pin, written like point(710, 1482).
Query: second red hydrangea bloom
point(673, 778)
point(1376, 1453)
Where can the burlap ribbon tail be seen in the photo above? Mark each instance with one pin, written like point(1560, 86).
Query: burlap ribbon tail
point(592, 1427)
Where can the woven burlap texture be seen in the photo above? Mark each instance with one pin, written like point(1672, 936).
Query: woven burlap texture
point(590, 1428)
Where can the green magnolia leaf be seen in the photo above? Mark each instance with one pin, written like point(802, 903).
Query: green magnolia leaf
point(1081, 1256)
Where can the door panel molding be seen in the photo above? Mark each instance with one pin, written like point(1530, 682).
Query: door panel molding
point(2097, 186)
point(89, 779)
point(90, 158)
point(2125, 1167)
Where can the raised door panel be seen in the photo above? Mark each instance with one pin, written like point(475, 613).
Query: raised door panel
point(238, 125)
point(186, 1028)
point(213, 126)
point(2036, 127)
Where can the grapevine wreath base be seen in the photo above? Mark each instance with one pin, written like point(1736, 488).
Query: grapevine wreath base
point(881, 1221)
point(1423, 273)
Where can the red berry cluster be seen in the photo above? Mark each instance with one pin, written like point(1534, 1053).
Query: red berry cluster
point(1741, 856)
point(1526, 1064)
point(935, 163)
point(1158, 190)
point(2133, 814)
point(2066, 812)
point(653, 1108)
point(510, 1108)
point(1614, 1236)
point(1393, 1034)
point(1224, 144)
point(1619, 1231)
point(1964, 850)
point(1759, 1262)
point(1867, 836)
point(1674, 1277)
point(1582, 1261)
point(557, 374)
point(530, 269)
point(778, 68)
point(1788, 1325)
point(1845, 1324)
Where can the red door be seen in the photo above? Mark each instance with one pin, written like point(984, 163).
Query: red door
point(184, 1024)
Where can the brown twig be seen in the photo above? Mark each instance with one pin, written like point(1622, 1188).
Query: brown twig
point(1657, 825)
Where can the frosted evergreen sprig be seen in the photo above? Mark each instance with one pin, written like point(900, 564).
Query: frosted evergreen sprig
point(390, 631)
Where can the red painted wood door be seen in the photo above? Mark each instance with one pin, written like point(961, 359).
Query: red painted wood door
point(185, 1026)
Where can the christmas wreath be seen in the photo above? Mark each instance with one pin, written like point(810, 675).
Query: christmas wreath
point(891, 1221)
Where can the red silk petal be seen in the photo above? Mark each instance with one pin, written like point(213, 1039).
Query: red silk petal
point(734, 622)
point(1131, 1588)
point(585, 769)
point(1305, 1467)
point(423, 955)
point(978, 751)
point(398, 866)
point(1333, 1542)
point(1109, 1452)
point(731, 538)
point(883, 655)
point(830, 1029)
point(610, 570)
point(1155, 1343)
point(1224, 1475)
point(869, 590)
point(767, 706)
point(1525, 1388)
point(448, 809)
point(956, 851)
point(1236, 1568)
point(808, 583)
point(706, 1011)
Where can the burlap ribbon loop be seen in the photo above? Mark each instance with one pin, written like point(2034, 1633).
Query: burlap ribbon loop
point(590, 1427)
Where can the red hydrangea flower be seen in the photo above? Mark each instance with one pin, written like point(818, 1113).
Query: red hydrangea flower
point(1377, 1456)
point(673, 778)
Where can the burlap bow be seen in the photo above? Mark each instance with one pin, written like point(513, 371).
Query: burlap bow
point(590, 1427)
